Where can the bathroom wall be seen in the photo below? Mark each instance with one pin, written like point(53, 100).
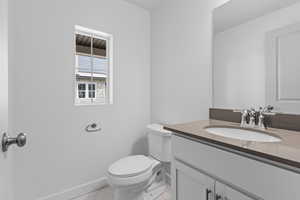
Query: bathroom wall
point(60, 155)
point(181, 33)
point(239, 59)
point(4, 66)
point(6, 159)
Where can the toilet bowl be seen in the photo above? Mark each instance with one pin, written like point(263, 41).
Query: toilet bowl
point(132, 176)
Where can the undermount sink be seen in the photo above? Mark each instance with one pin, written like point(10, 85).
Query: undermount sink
point(242, 134)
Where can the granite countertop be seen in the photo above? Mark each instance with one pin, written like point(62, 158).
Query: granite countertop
point(285, 152)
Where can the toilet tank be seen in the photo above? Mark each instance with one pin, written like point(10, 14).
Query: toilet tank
point(159, 142)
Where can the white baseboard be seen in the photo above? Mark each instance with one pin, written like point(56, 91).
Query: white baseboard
point(78, 191)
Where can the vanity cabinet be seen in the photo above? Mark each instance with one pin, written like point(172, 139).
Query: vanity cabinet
point(191, 183)
point(200, 169)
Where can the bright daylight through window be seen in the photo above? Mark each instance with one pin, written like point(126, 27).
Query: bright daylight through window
point(93, 67)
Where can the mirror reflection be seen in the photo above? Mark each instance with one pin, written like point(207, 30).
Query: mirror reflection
point(256, 56)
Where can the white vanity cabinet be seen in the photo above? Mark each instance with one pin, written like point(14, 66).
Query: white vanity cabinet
point(191, 183)
point(199, 168)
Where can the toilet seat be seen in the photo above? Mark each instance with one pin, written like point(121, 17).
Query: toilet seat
point(131, 170)
point(130, 166)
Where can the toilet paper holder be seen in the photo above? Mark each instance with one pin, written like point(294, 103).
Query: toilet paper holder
point(93, 127)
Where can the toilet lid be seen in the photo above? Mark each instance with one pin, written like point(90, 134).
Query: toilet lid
point(130, 166)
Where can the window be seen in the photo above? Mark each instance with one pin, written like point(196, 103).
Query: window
point(92, 90)
point(86, 90)
point(93, 67)
point(81, 91)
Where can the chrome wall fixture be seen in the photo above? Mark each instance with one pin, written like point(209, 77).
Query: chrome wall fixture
point(93, 128)
point(20, 141)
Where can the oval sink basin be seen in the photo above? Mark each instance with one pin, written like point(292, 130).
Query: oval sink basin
point(242, 134)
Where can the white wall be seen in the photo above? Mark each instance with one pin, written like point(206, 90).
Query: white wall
point(239, 59)
point(181, 60)
point(60, 154)
point(5, 158)
point(3, 66)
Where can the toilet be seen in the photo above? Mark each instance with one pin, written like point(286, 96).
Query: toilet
point(141, 177)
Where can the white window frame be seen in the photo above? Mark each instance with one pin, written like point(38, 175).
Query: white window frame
point(109, 54)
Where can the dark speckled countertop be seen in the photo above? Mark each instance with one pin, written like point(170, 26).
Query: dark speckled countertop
point(286, 152)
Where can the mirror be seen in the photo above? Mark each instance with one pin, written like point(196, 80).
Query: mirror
point(256, 55)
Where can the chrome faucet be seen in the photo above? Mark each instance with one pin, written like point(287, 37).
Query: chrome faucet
point(262, 112)
point(252, 113)
point(245, 114)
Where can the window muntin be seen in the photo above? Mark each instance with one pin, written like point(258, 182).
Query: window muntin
point(93, 59)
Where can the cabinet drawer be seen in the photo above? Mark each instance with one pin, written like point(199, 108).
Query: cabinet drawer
point(263, 180)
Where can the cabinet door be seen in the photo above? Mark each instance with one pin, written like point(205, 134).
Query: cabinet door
point(190, 184)
point(224, 192)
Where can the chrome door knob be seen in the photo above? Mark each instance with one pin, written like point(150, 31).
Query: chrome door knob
point(20, 141)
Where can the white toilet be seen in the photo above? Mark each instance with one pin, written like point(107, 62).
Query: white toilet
point(140, 177)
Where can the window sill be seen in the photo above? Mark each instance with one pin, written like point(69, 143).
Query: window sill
point(92, 104)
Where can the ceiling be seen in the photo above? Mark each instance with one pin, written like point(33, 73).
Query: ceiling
point(236, 12)
point(147, 4)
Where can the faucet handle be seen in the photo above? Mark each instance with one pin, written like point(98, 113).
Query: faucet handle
point(267, 110)
point(252, 112)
